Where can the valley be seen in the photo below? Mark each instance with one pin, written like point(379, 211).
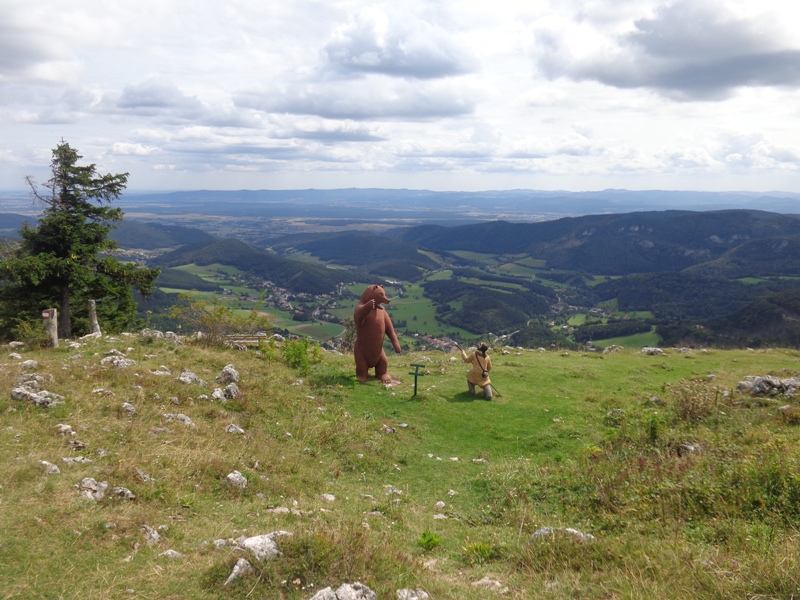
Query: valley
point(525, 268)
point(508, 291)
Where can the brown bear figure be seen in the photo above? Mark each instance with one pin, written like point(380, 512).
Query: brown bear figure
point(372, 323)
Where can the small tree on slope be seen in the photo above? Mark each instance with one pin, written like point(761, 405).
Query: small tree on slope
point(61, 261)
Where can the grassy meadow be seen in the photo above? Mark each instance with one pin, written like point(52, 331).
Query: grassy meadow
point(688, 488)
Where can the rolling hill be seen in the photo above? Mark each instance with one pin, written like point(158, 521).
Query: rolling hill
point(129, 234)
point(684, 268)
point(291, 274)
point(711, 276)
point(773, 320)
point(378, 255)
point(620, 244)
point(148, 236)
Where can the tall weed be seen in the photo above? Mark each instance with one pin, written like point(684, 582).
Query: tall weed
point(694, 400)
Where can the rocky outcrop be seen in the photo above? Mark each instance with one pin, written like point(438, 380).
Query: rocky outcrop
point(346, 591)
point(769, 385)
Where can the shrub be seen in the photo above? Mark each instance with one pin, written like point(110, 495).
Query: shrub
point(791, 414)
point(349, 335)
point(478, 553)
point(32, 334)
point(429, 541)
point(300, 354)
point(214, 321)
point(694, 400)
point(268, 350)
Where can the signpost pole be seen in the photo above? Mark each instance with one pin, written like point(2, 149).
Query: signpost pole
point(416, 374)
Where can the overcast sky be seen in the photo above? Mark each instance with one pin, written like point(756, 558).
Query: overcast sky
point(435, 94)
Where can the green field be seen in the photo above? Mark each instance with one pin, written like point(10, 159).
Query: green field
point(478, 257)
point(210, 272)
point(517, 270)
point(317, 330)
point(501, 286)
point(419, 313)
point(640, 340)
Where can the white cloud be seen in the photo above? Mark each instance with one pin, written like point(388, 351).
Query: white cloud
point(689, 49)
point(125, 148)
point(396, 45)
point(369, 98)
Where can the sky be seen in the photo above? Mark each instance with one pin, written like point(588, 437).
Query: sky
point(464, 95)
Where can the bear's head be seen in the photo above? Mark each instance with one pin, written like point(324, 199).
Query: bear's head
point(375, 292)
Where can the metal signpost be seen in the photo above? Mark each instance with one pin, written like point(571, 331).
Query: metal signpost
point(416, 374)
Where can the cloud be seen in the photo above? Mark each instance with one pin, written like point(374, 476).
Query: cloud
point(332, 132)
point(154, 97)
point(166, 103)
point(20, 50)
point(396, 45)
point(754, 152)
point(574, 144)
point(372, 98)
point(47, 105)
point(382, 64)
point(28, 53)
point(687, 50)
point(129, 149)
point(364, 92)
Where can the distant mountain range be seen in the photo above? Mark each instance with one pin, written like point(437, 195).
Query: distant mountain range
point(424, 206)
point(448, 206)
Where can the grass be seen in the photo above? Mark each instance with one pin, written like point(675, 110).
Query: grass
point(638, 340)
point(516, 269)
point(689, 489)
point(213, 272)
point(318, 330)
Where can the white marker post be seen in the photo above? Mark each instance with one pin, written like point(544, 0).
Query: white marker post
point(50, 319)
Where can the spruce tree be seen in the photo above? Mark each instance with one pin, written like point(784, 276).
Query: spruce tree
point(63, 260)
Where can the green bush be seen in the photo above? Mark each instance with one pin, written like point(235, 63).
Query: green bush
point(32, 334)
point(300, 354)
point(214, 321)
point(429, 541)
point(478, 553)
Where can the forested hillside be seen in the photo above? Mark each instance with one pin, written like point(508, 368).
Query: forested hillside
point(685, 295)
point(295, 275)
point(770, 321)
point(769, 257)
point(10, 224)
point(174, 278)
point(629, 243)
point(129, 234)
point(136, 234)
point(385, 257)
point(695, 276)
point(488, 307)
